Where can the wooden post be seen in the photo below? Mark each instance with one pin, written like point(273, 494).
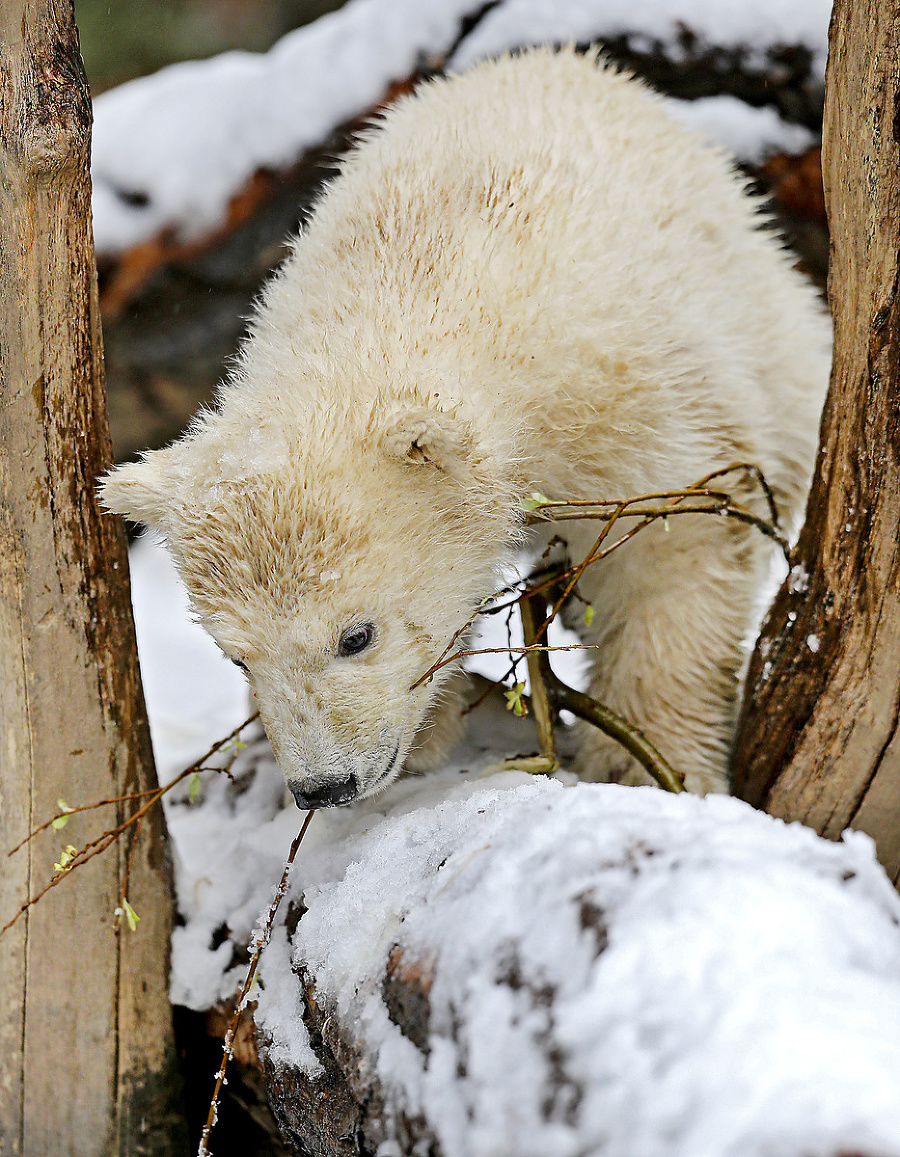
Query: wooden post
point(86, 1052)
point(819, 738)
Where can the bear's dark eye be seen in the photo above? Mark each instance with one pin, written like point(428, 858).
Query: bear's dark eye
point(243, 666)
point(356, 639)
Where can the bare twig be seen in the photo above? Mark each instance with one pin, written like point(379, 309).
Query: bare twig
point(523, 651)
point(531, 608)
point(634, 741)
point(721, 503)
point(610, 510)
point(551, 694)
point(752, 469)
point(261, 941)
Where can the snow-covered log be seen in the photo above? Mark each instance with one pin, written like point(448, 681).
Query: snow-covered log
point(172, 149)
point(496, 965)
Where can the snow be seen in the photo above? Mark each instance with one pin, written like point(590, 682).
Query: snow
point(745, 998)
point(189, 137)
point(798, 579)
point(755, 25)
point(194, 694)
point(749, 133)
point(665, 974)
point(170, 150)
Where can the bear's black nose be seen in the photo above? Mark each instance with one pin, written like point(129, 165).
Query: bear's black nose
point(329, 795)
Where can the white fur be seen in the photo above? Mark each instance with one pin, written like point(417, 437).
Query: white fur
point(527, 277)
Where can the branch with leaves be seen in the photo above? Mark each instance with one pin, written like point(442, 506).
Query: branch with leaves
point(73, 858)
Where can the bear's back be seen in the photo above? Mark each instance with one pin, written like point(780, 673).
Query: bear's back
point(542, 220)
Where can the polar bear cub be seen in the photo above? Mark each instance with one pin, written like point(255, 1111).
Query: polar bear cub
point(527, 277)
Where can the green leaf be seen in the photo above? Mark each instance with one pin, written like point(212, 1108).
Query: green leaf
point(194, 786)
point(130, 915)
point(534, 500)
point(514, 700)
point(588, 615)
point(60, 822)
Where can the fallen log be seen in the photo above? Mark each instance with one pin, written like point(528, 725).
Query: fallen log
point(509, 966)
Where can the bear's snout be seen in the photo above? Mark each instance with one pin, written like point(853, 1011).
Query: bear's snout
point(328, 795)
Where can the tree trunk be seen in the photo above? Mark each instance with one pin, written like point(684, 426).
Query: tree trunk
point(86, 1052)
point(819, 738)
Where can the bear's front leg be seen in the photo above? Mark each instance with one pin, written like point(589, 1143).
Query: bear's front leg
point(672, 612)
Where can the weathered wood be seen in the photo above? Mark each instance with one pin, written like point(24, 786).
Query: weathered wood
point(86, 1054)
point(819, 738)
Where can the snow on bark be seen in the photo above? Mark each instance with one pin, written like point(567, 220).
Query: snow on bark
point(494, 965)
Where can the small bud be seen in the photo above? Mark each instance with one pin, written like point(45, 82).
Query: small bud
point(65, 860)
point(129, 913)
point(514, 700)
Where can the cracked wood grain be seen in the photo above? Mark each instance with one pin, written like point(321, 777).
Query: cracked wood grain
point(818, 739)
point(85, 1040)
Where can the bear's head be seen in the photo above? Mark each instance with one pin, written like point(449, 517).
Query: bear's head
point(333, 566)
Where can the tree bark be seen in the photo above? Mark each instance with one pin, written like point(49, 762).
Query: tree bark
point(819, 739)
point(86, 1051)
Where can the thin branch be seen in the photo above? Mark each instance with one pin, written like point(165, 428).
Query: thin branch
point(748, 468)
point(698, 487)
point(123, 891)
point(531, 609)
point(523, 651)
point(261, 941)
point(71, 811)
point(722, 504)
point(634, 741)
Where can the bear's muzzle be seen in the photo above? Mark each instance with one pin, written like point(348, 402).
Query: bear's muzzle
point(329, 795)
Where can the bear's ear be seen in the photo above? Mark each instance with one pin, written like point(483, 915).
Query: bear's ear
point(428, 436)
point(141, 490)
